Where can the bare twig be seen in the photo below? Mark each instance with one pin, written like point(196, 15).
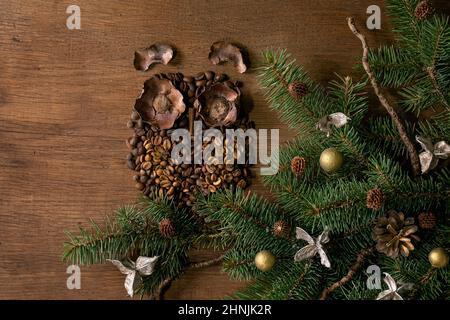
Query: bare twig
point(351, 273)
point(415, 162)
point(207, 263)
point(162, 289)
point(432, 75)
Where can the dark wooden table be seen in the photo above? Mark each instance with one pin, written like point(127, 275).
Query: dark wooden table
point(65, 97)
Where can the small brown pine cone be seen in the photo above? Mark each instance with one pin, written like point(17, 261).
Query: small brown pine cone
point(375, 199)
point(395, 234)
point(298, 165)
point(281, 229)
point(166, 228)
point(427, 220)
point(298, 90)
point(423, 10)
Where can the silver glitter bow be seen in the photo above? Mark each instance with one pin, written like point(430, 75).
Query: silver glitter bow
point(431, 154)
point(337, 119)
point(313, 247)
point(144, 266)
point(393, 292)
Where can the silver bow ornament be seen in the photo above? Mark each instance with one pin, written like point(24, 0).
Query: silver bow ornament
point(313, 247)
point(337, 119)
point(144, 266)
point(392, 293)
point(431, 154)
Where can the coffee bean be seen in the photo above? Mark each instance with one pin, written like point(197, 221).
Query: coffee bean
point(199, 76)
point(134, 141)
point(131, 165)
point(130, 124)
point(212, 188)
point(134, 116)
point(209, 75)
point(139, 186)
point(228, 177)
point(143, 179)
point(236, 173)
point(165, 184)
point(147, 165)
point(242, 184)
point(139, 124)
point(167, 144)
point(218, 182)
point(200, 83)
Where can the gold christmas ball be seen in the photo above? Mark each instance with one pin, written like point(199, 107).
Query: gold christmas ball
point(331, 160)
point(438, 258)
point(265, 260)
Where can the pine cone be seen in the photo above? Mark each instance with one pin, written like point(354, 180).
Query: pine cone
point(375, 199)
point(298, 90)
point(394, 234)
point(427, 220)
point(166, 228)
point(423, 10)
point(281, 229)
point(298, 165)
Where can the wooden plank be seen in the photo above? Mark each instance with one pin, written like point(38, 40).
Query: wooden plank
point(65, 97)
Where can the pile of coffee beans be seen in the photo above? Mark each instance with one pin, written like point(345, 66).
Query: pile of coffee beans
point(157, 174)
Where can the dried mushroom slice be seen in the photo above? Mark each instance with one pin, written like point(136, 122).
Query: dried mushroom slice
point(160, 104)
point(156, 53)
point(222, 51)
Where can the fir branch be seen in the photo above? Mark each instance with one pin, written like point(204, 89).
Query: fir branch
point(414, 157)
point(360, 259)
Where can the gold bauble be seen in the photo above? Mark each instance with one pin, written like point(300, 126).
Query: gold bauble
point(438, 258)
point(265, 260)
point(331, 160)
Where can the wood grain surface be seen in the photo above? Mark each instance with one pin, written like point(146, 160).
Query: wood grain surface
point(65, 97)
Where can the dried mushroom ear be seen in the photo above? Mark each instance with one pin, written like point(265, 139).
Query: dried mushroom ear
point(156, 53)
point(160, 104)
point(224, 51)
point(218, 105)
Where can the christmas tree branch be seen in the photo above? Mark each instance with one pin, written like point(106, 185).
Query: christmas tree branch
point(394, 115)
point(349, 276)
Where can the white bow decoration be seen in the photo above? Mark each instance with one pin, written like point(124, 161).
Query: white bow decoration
point(337, 119)
point(313, 247)
point(144, 266)
point(431, 154)
point(392, 292)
